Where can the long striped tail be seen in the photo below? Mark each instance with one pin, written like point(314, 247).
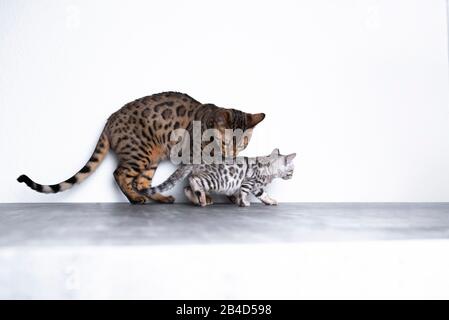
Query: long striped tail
point(97, 157)
point(180, 173)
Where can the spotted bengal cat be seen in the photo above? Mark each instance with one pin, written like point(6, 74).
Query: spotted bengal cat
point(139, 133)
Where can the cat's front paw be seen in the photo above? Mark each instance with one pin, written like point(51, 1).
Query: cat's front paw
point(244, 203)
point(270, 202)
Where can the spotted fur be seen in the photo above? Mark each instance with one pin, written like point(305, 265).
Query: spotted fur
point(236, 179)
point(139, 134)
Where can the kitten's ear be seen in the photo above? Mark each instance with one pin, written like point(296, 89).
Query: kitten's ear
point(253, 119)
point(289, 158)
point(275, 152)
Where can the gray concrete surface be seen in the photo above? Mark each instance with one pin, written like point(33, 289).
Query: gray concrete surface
point(124, 224)
point(292, 251)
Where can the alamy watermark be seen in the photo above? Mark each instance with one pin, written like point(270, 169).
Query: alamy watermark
point(210, 146)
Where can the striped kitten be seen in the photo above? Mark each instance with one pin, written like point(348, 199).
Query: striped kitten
point(236, 180)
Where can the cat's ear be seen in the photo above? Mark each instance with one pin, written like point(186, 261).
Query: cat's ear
point(253, 119)
point(289, 158)
point(275, 152)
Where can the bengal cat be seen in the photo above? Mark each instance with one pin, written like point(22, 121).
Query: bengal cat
point(139, 134)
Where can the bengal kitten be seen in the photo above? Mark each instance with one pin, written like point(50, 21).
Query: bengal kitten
point(139, 133)
point(236, 179)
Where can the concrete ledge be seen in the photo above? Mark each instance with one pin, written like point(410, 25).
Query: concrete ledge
point(180, 252)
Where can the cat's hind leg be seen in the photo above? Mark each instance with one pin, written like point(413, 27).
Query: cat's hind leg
point(244, 202)
point(194, 199)
point(124, 177)
point(245, 189)
point(190, 195)
point(137, 169)
point(143, 181)
point(198, 190)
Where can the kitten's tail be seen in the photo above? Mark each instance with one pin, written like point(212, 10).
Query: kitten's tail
point(97, 157)
point(180, 173)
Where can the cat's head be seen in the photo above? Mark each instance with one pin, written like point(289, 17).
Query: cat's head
point(282, 165)
point(241, 124)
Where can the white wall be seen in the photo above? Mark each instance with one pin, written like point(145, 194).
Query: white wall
point(359, 89)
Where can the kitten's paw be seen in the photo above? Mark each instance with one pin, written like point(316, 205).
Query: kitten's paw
point(244, 203)
point(270, 202)
point(206, 202)
point(189, 194)
point(209, 200)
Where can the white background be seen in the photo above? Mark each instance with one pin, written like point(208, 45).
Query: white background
point(359, 89)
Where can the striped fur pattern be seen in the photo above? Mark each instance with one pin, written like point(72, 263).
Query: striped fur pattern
point(139, 134)
point(236, 179)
